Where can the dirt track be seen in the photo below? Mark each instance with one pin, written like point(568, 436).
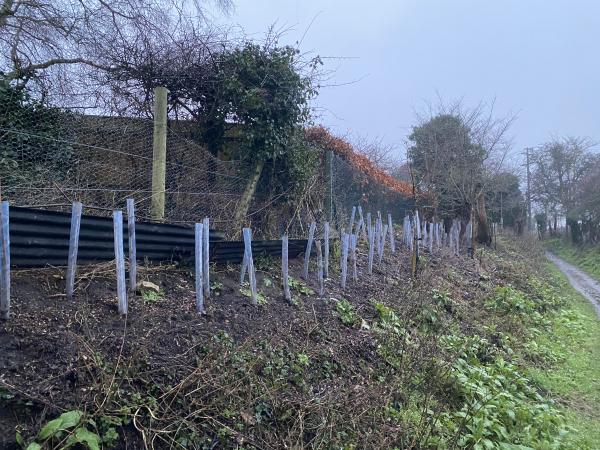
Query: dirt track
point(582, 282)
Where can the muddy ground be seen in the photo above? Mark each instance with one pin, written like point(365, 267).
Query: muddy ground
point(51, 347)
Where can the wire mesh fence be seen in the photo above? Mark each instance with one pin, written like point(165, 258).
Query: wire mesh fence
point(50, 158)
point(352, 187)
point(101, 161)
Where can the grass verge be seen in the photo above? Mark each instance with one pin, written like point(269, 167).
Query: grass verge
point(572, 344)
point(585, 257)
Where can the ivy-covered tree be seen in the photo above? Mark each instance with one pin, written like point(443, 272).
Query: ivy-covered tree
point(261, 90)
point(447, 164)
point(257, 89)
point(454, 155)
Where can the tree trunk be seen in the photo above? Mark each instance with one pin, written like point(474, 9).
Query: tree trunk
point(247, 196)
point(483, 230)
point(576, 232)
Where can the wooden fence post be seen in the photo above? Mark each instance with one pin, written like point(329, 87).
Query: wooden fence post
point(198, 272)
point(311, 236)
point(132, 244)
point(73, 247)
point(120, 261)
point(284, 268)
point(411, 233)
point(5, 275)
point(415, 253)
point(159, 154)
point(206, 256)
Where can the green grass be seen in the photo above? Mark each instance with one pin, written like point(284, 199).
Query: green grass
point(586, 257)
point(573, 379)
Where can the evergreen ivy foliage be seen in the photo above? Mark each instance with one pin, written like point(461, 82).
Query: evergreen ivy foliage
point(261, 89)
point(257, 95)
point(443, 155)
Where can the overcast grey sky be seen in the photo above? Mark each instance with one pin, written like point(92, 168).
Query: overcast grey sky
point(538, 59)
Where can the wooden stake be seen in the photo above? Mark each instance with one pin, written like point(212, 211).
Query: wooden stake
point(415, 254)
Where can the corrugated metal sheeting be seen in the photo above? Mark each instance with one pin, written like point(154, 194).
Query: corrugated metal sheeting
point(39, 238)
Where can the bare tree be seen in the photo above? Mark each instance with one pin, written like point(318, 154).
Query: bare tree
point(559, 170)
point(589, 200)
point(455, 151)
point(40, 38)
point(384, 155)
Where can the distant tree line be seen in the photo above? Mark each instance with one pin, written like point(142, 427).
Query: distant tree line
point(566, 186)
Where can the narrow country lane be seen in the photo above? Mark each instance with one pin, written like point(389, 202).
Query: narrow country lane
point(581, 281)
